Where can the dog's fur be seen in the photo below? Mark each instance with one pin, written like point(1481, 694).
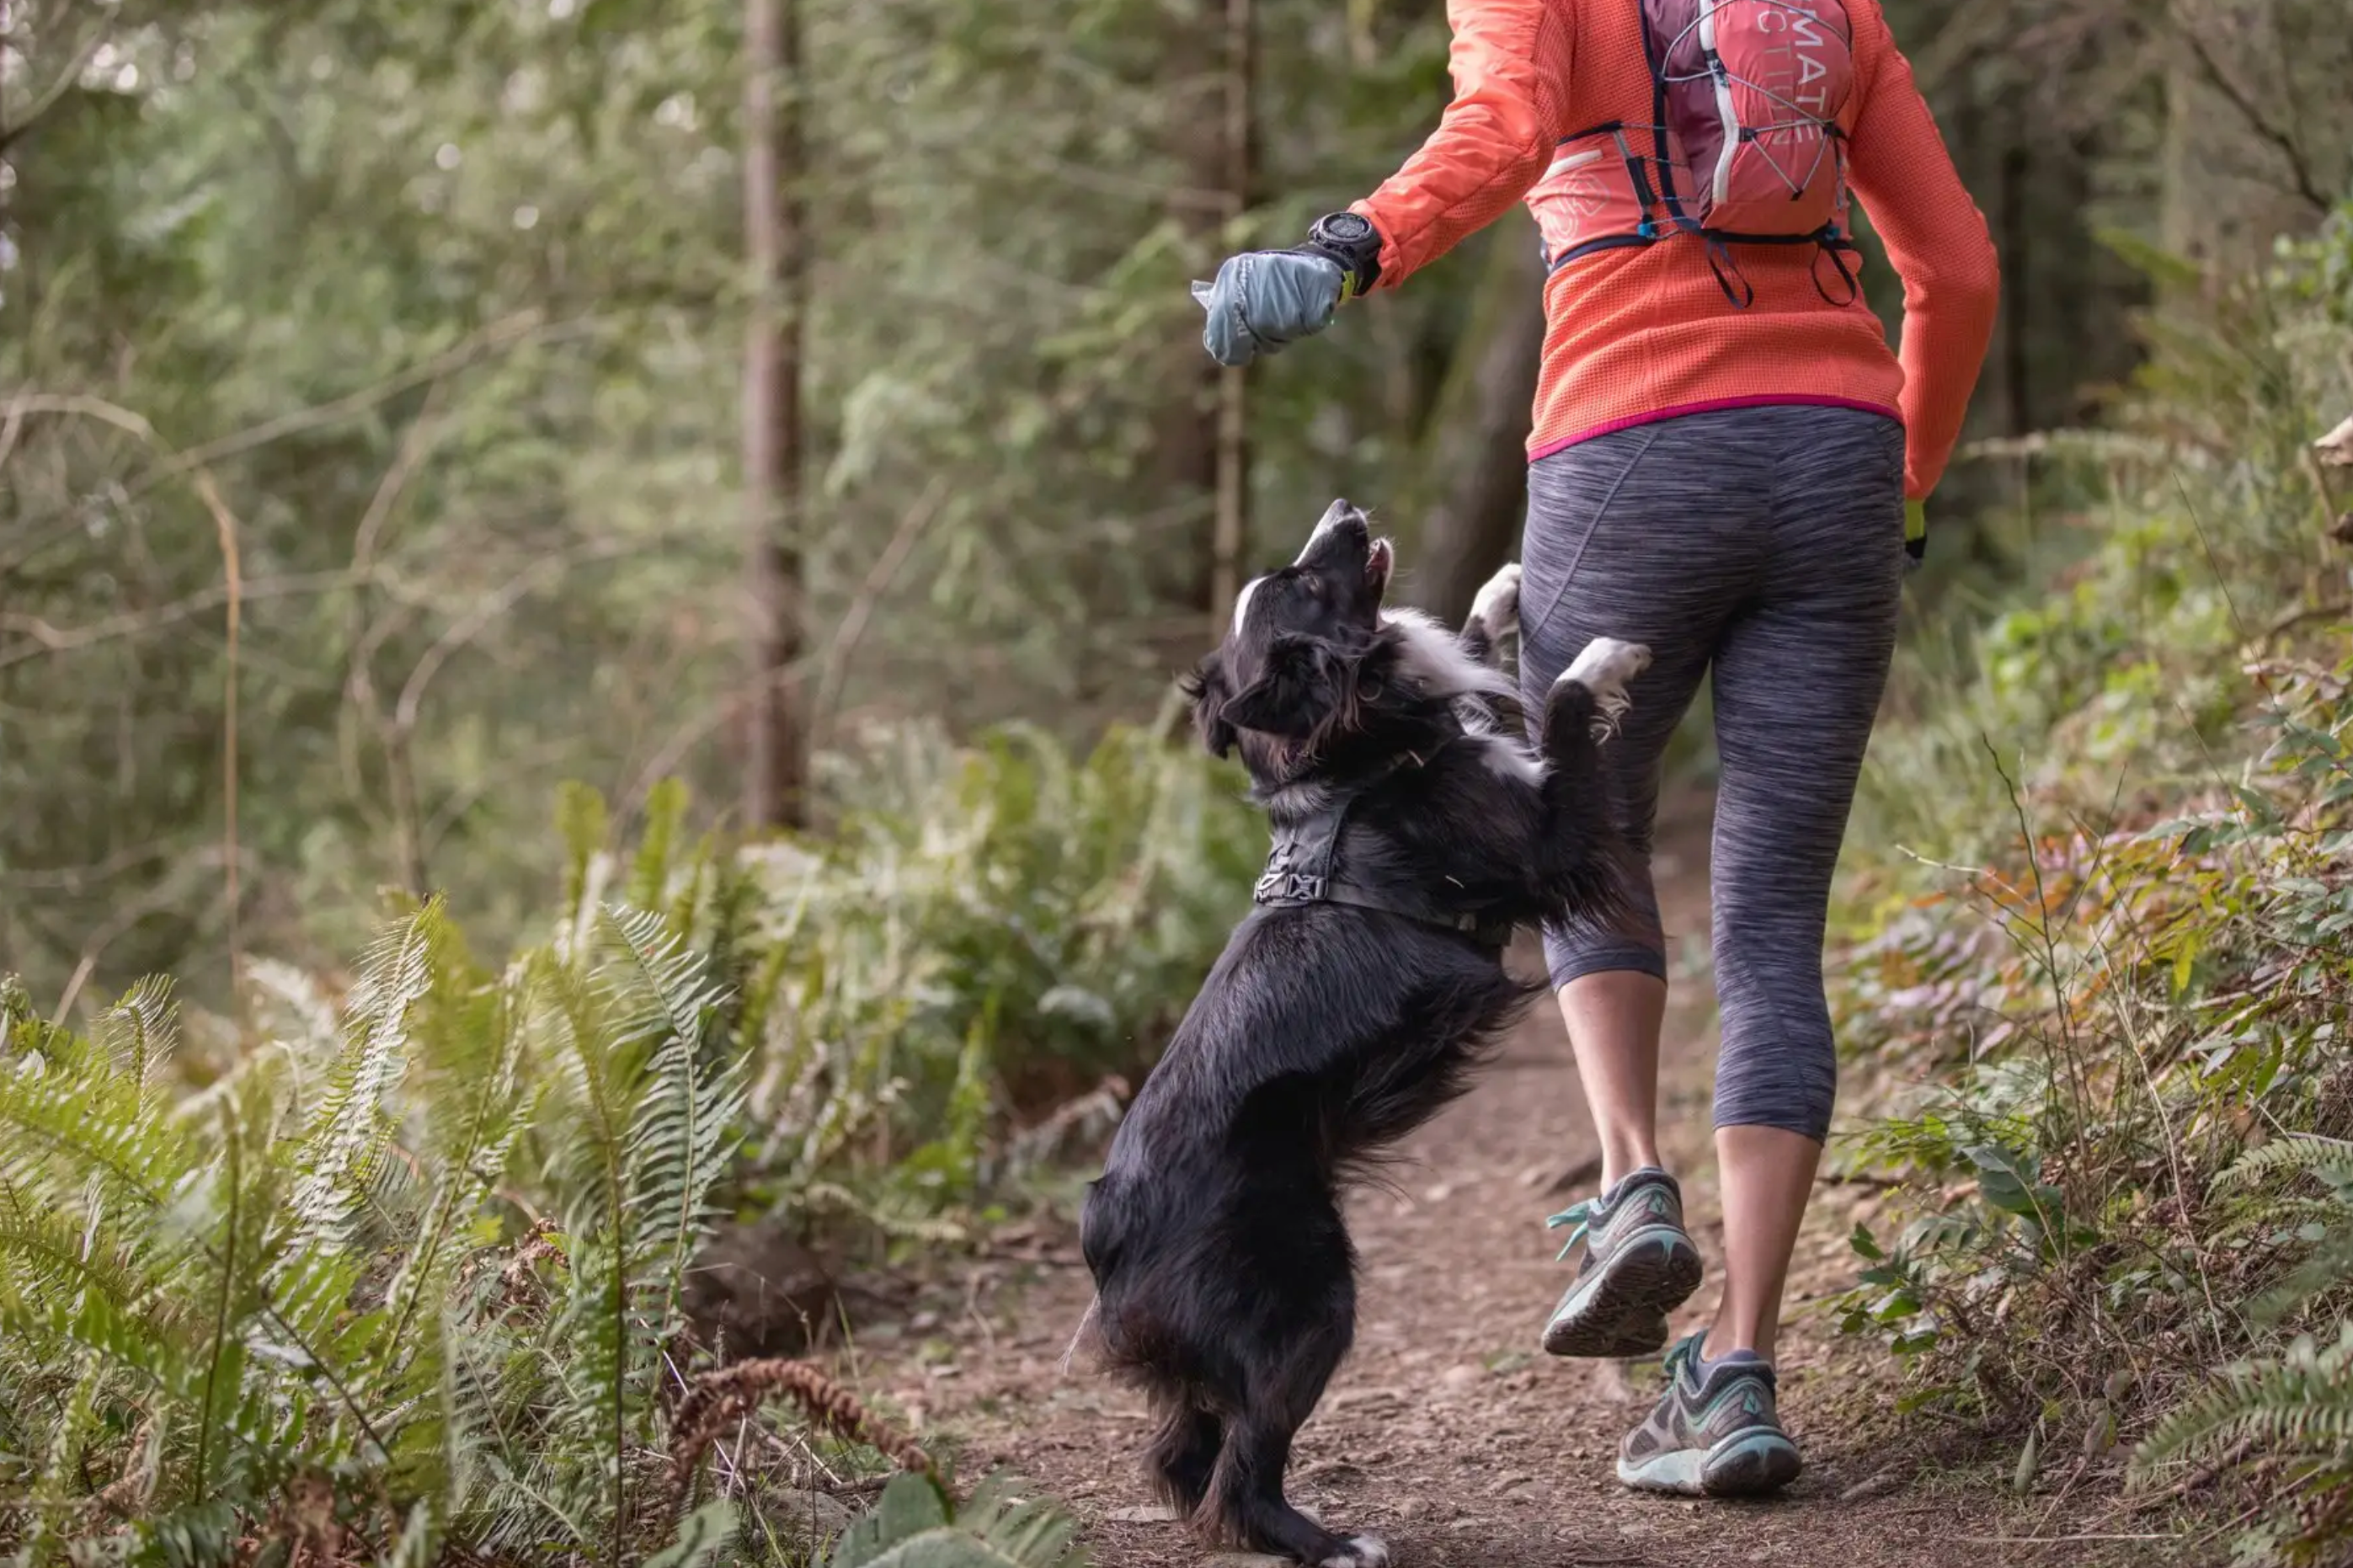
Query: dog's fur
point(1326, 1032)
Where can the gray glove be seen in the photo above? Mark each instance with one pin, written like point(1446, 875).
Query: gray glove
point(1263, 299)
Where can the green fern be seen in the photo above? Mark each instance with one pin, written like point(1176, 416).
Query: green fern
point(2328, 1262)
point(2297, 1407)
point(141, 1033)
point(916, 1524)
point(426, 1248)
point(351, 1132)
point(2329, 1160)
point(649, 872)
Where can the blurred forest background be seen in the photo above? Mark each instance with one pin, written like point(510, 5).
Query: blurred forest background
point(472, 447)
point(439, 310)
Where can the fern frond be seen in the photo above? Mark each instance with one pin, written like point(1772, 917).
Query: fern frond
point(59, 1481)
point(2330, 1266)
point(140, 1035)
point(589, 1172)
point(915, 1526)
point(60, 1128)
point(2298, 1153)
point(648, 880)
point(2299, 1405)
point(473, 1110)
point(419, 1544)
point(581, 820)
point(55, 1251)
point(684, 1128)
point(1033, 1530)
point(350, 1130)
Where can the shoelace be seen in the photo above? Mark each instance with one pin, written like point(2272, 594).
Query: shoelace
point(1579, 1214)
point(1681, 1354)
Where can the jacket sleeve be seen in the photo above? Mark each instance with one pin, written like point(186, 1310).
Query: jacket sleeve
point(1510, 64)
point(1937, 241)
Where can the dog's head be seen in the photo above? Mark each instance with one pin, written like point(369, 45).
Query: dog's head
point(1290, 664)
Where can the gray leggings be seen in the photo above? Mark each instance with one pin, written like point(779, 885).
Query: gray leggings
point(1764, 546)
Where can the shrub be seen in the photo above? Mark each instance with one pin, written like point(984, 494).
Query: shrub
point(2107, 1000)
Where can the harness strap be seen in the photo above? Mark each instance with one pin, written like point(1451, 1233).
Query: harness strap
point(1299, 872)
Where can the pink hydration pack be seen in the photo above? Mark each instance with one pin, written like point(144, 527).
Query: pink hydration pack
point(1745, 145)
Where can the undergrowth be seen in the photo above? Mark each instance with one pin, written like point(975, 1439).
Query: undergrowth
point(2103, 887)
point(397, 1275)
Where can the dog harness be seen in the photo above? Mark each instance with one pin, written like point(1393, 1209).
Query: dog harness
point(1299, 871)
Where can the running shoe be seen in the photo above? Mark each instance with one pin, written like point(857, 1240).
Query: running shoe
point(1714, 1433)
point(1640, 1264)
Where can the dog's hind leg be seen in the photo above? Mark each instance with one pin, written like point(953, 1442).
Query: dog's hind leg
point(1184, 1449)
point(1246, 1501)
point(1246, 1495)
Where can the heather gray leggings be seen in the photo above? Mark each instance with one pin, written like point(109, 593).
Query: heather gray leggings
point(1764, 546)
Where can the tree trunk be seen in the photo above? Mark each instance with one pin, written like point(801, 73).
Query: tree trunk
point(1230, 529)
point(776, 767)
point(1471, 468)
point(2014, 228)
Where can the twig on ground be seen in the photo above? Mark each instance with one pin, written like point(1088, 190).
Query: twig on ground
point(2063, 1539)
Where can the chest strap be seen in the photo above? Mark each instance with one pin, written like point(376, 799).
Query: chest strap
point(1299, 870)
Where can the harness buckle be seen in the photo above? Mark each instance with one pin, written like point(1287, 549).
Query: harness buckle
point(1288, 887)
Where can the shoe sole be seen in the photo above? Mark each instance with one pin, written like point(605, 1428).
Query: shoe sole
point(1747, 1464)
point(1626, 1303)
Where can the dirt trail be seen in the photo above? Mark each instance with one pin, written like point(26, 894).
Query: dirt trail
point(1448, 1432)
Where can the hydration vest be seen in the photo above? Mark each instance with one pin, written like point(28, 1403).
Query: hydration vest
point(1744, 146)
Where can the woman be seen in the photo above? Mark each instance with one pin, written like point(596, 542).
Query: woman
point(1728, 464)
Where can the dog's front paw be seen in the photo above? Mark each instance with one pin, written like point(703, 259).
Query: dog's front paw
point(1496, 608)
point(1362, 1552)
point(1606, 667)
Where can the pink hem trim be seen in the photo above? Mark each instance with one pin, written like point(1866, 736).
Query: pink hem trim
point(1711, 405)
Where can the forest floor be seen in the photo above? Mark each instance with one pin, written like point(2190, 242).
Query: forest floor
point(1448, 1432)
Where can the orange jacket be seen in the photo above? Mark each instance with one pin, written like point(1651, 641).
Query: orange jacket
point(1645, 332)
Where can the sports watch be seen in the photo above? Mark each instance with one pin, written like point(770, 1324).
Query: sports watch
point(1350, 239)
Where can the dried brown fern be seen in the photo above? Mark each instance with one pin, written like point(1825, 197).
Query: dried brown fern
point(717, 1399)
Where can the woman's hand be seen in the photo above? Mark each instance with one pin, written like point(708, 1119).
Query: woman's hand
point(1263, 299)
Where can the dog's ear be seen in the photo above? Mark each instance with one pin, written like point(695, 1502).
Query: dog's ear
point(1304, 684)
point(1207, 688)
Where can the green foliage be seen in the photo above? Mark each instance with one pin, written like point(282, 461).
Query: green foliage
point(2115, 960)
point(2294, 1409)
point(311, 1278)
point(410, 1269)
point(917, 1525)
point(447, 299)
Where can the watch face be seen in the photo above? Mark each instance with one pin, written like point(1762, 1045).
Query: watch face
point(1346, 227)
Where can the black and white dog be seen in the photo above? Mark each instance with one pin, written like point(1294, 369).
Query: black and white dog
point(1413, 827)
